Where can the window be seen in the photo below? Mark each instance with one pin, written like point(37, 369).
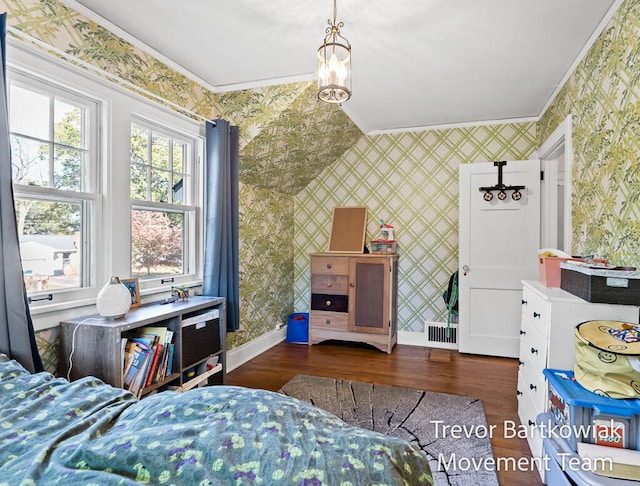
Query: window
point(162, 198)
point(54, 160)
point(106, 183)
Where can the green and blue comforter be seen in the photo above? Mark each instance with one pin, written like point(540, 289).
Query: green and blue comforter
point(89, 433)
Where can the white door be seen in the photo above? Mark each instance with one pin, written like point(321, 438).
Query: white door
point(499, 240)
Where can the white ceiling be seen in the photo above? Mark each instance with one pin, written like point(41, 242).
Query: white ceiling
point(416, 63)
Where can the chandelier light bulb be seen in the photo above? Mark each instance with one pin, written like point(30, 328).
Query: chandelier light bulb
point(334, 64)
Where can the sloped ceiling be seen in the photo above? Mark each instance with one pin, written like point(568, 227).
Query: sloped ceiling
point(287, 136)
point(297, 145)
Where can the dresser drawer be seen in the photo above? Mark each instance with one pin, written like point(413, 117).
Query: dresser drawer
point(330, 302)
point(535, 385)
point(533, 348)
point(528, 412)
point(329, 265)
point(536, 310)
point(329, 284)
point(329, 320)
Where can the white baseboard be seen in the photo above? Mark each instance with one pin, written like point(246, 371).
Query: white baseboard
point(412, 338)
point(247, 351)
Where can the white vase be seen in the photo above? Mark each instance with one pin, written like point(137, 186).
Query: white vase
point(114, 299)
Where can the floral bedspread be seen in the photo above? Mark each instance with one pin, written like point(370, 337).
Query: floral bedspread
point(89, 433)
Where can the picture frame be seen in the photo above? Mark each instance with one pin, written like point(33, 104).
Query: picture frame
point(134, 289)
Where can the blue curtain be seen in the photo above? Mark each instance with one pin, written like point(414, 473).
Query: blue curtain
point(220, 275)
point(17, 337)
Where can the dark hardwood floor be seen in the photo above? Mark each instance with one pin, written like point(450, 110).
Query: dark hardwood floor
point(493, 380)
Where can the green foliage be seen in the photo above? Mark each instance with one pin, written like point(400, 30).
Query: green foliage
point(68, 160)
point(155, 172)
point(50, 217)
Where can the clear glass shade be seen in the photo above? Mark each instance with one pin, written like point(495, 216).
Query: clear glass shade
point(334, 71)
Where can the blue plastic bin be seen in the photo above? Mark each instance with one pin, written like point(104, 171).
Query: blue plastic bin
point(298, 328)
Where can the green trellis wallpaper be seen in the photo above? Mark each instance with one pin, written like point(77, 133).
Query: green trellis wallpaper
point(603, 96)
point(411, 181)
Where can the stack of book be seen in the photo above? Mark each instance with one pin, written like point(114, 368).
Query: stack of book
point(147, 358)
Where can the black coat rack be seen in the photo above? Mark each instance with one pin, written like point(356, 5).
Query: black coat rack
point(500, 187)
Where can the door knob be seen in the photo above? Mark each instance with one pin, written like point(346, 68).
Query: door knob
point(465, 269)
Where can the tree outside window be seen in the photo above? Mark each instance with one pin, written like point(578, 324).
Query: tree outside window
point(161, 163)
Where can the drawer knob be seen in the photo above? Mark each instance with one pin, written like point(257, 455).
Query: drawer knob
point(327, 321)
point(531, 423)
point(328, 303)
point(329, 284)
point(534, 351)
point(352, 285)
point(524, 302)
point(519, 393)
point(533, 387)
point(536, 314)
point(328, 265)
point(523, 333)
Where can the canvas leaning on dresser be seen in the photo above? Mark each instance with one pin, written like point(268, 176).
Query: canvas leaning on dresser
point(87, 432)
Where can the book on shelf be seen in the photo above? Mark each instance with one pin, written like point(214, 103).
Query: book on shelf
point(146, 357)
point(137, 385)
point(170, 359)
point(156, 351)
point(127, 358)
point(139, 354)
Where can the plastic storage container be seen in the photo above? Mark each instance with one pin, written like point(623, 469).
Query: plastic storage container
point(583, 416)
point(549, 270)
point(564, 467)
point(298, 328)
point(383, 247)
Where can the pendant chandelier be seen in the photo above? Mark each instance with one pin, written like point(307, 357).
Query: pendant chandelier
point(334, 64)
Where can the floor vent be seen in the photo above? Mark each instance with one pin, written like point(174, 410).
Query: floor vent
point(437, 336)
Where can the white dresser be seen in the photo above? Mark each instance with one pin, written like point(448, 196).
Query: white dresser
point(549, 318)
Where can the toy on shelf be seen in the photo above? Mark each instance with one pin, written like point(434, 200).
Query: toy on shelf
point(386, 231)
point(180, 292)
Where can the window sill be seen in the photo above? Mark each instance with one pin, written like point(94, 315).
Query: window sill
point(49, 315)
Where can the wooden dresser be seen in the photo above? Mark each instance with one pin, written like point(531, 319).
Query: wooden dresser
point(547, 340)
point(354, 297)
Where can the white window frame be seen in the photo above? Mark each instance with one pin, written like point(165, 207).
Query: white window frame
point(169, 123)
point(88, 198)
point(190, 206)
point(110, 228)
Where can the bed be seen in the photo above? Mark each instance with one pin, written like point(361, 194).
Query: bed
point(86, 432)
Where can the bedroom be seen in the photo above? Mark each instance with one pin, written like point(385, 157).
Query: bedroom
point(274, 272)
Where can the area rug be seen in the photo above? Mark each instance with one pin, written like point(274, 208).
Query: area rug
point(451, 430)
